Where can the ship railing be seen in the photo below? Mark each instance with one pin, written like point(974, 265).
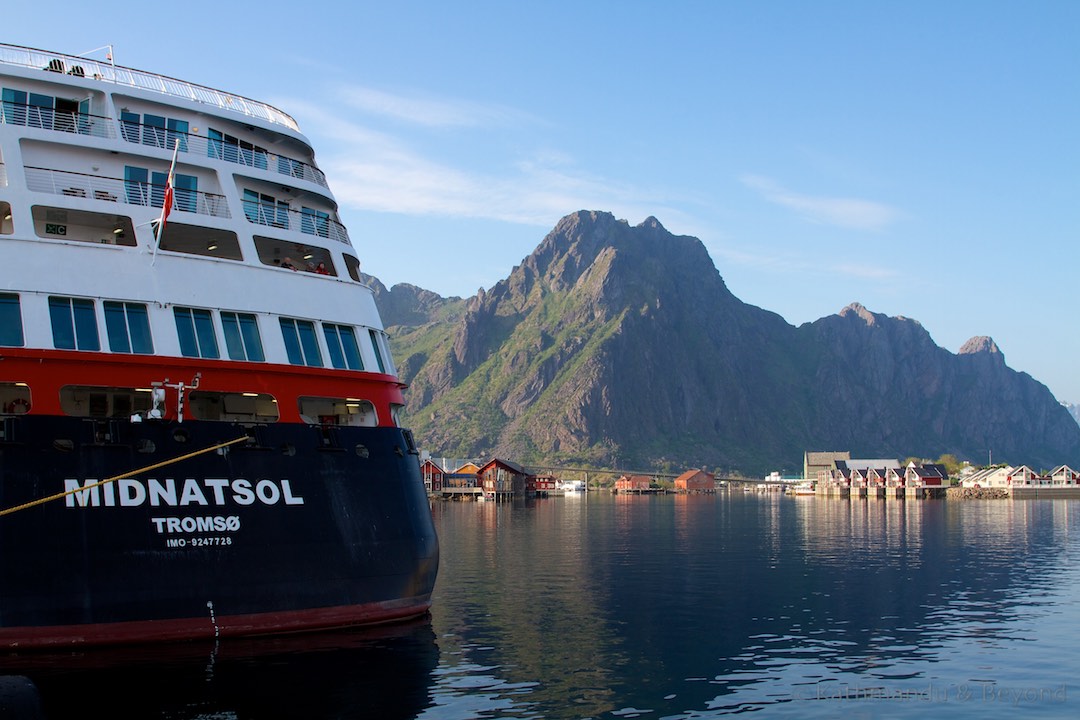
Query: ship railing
point(131, 192)
point(305, 221)
point(230, 151)
point(13, 113)
point(110, 72)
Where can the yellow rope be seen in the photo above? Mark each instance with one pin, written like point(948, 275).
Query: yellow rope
point(148, 468)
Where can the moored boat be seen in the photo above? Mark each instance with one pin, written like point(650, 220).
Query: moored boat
point(198, 408)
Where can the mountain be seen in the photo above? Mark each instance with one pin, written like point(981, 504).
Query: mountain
point(622, 346)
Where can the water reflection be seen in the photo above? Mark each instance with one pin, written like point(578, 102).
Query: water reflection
point(699, 606)
point(386, 672)
point(665, 607)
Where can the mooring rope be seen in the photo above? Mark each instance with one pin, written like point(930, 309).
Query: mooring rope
point(148, 468)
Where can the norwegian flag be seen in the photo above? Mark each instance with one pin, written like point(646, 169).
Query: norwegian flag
point(166, 206)
point(167, 203)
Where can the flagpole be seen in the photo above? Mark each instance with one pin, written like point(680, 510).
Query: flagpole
point(166, 204)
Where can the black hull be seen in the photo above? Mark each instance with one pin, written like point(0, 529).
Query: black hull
point(299, 528)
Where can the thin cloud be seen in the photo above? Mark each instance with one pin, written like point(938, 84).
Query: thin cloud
point(385, 171)
point(843, 212)
point(428, 112)
point(800, 265)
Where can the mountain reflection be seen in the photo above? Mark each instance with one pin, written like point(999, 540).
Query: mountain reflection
point(682, 605)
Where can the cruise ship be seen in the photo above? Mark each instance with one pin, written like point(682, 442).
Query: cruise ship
point(199, 413)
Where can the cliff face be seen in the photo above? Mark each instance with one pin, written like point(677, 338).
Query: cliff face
point(622, 345)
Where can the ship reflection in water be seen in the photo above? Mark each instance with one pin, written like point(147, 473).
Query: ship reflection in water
point(383, 672)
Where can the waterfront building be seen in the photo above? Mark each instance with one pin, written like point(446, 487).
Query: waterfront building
point(433, 476)
point(695, 481)
point(633, 483)
point(1064, 475)
point(814, 463)
point(502, 479)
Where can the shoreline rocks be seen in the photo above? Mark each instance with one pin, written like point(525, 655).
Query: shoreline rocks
point(963, 493)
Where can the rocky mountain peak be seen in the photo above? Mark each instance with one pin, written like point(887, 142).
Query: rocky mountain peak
point(618, 344)
point(980, 344)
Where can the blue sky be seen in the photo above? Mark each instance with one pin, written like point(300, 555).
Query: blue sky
point(921, 158)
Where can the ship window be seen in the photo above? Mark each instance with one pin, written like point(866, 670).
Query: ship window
point(200, 240)
point(128, 327)
point(137, 185)
point(226, 147)
point(6, 225)
point(301, 343)
point(84, 226)
point(233, 407)
point(74, 325)
point(396, 409)
point(353, 266)
point(14, 398)
point(103, 402)
point(11, 329)
point(196, 331)
point(266, 209)
point(344, 351)
point(242, 340)
point(145, 188)
point(129, 126)
point(314, 222)
point(376, 346)
point(15, 110)
point(338, 411)
point(153, 130)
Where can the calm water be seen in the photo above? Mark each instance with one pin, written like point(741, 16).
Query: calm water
point(669, 607)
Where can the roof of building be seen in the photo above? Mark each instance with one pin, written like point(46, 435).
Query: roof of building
point(826, 457)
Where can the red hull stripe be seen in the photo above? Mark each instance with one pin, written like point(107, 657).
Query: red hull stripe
point(154, 631)
point(45, 371)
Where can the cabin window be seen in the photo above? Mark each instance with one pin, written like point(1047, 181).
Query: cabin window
point(265, 209)
point(153, 130)
point(344, 350)
point(200, 240)
point(314, 222)
point(301, 343)
point(74, 324)
point(353, 266)
point(128, 328)
point(376, 346)
point(352, 412)
point(196, 332)
point(226, 147)
point(41, 111)
point(104, 402)
point(14, 398)
point(146, 188)
point(291, 256)
point(236, 407)
point(6, 225)
point(242, 340)
point(11, 328)
point(84, 226)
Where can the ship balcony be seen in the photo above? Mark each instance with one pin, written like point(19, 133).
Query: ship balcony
point(47, 118)
point(305, 222)
point(227, 150)
point(130, 192)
